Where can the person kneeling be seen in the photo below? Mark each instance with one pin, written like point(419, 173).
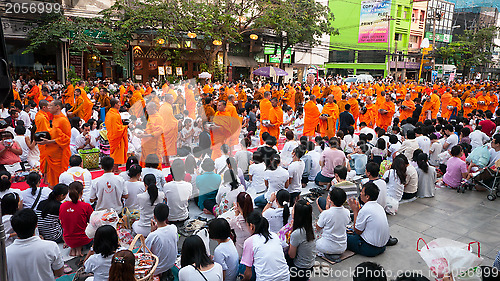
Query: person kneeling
point(371, 229)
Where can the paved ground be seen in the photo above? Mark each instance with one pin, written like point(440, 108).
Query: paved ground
point(462, 217)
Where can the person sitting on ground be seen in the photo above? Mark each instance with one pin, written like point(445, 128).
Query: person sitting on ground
point(151, 167)
point(220, 163)
point(369, 271)
point(147, 202)
point(9, 205)
point(35, 194)
point(277, 217)
point(227, 193)
point(178, 193)
point(195, 263)
point(426, 177)
point(98, 260)
point(341, 182)
point(275, 179)
point(130, 161)
point(109, 189)
point(330, 158)
point(43, 256)
point(162, 241)
point(208, 183)
point(372, 173)
point(256, 172)
point(411, 182)
point(225, 253)
point(134, 186)
point(243, 208)
point(122, 266)
point(295, 171)
point(76, 172)
point(371, 229)
point(9, 153)
point(409, 145)
point(456, 168)
point(49, 224)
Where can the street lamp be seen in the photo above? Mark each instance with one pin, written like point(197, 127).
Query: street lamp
point(254, 36)
point(161, 41)
point(191, 35)
point(217, 42)
point(424, 45)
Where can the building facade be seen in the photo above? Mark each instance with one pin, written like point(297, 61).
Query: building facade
point(440, 21)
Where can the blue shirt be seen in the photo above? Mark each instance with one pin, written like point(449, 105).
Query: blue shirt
point(208, 184)
point(360, 161)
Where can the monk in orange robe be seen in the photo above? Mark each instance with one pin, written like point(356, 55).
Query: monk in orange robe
point(190, 101)
point(123, 93)
point(311, 117)
point(33, 94)
point(78, 109)
point(207, 89)
point(445, 99)
point(341, 103)
point(287, 97)
point(328, 123)
point(223, 129)
point(430, 107)
point(148, 91)
point(170, 128)
point(470, 104)
point(152, 138)
point(385, 113)
point(137, 103)
point(369, 115)
point(15, 93)
point(57, 148)
point(233, 113)
point(265, 105)
point(275, 118)
point(42, 122)
point(117, 134)
point(209, 110)
point(337, 93)
point(69, 94)
point(87, 104)
point(354, 108)
point(407, 108)
point(453, 107)
point(493, 102)
point(482, 101)
point(316, 91)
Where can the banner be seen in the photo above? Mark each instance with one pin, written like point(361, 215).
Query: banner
point(373, 26)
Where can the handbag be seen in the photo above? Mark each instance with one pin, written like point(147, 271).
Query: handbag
point(37, 198)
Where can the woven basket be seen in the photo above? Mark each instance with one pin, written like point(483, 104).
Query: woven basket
point(90, 158)
point(145, 250)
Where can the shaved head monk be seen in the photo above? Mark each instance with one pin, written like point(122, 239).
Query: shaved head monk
point(152, 138)
point(117, 134)
point(170, 128)
point(311, 117)
point(57, 148)
point(224, 127)
point(265, 106)
point(42, 122)
point(275, 118)
point(329, 116)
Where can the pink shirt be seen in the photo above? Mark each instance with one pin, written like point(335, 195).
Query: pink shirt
point(455, 168)
point(331, 158)
point(9, 157)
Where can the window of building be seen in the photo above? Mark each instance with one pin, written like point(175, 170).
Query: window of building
point(371, 56)
point(341, 56)
point(398, 36)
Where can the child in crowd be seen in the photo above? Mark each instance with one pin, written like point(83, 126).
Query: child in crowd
point(225, 253)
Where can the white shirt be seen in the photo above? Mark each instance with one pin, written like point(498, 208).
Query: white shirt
point(163, 243)
point(286, 152)
point(99, 265)
point(382, 188)
point(29, 199)
point(108, 189)
point(275, 219)
point(276, 180)
point(220, 163)
point(478, 138)
point(78, 174)
point(189, 273)
point(160, 177)
point(494, 156)
point(146, 209)
point(394, 186)
point(24, 116)
point(227, 256)
point(393, 147)
point(257, 172)
point(177, 194)
point(21, 140)
point(315, 168)
point(424, 143)
point(134, 189)
point(80, 141)
point(368, 130)
point(33, 259)
point(295, 171)
point(372, 220)
point(452, 140)
point(334, 237)
point(74, 134)
point(408, 147)
point(436, 149)
point(286, 119)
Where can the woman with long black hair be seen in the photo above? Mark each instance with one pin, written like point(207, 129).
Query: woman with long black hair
point(48, 214)
point(147, 202)
point(196, 264)
point(426, 177)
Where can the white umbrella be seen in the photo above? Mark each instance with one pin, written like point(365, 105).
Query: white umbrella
point(205, 75)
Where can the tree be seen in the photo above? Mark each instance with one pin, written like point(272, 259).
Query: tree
point(297, 22)
point(473, 49)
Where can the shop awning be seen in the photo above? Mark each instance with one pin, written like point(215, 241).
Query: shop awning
point(242, 61)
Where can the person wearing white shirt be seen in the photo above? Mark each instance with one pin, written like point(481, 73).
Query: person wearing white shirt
point(424, 143)
point(409, 145)
point(195, 263)
point(109, 189)
point(42, 256)
point(256, 173)
point(372, 172)
point(177, 193)
point(77, 173)
point(162, 241)
point(363, 129)
point(98, 260)
point(288, 118)
point(478, 138)
point(35, 194)
point(451, 140)
point(220, 163)
point(85, 140)
point(370, 224)
point(299, 124)
point(275, 179)
point(147, 202)
point(134, 186)
point(286, 152)
point(225, 253)
point(277, 217)
point(295, 171)
point(24, 116)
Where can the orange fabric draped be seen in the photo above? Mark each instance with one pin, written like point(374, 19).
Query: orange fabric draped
point(16, 95)
point(69, 95)
point(42, 122)
point(33, 94)
point(265, 106)
point(148, 91)
point(78, 107)
point(469, 105)
point(431, 105)
point(408, 111)
point(87, 106)
point(170, 129)
point(58, 153)
point(117, 136)
point(154, 144)
point(235, 137)
point(354, 109)
point(341, 103)
point(190, 103)
point(454, 102)
point(311, 118)
point(226, 127)
point(445, 99)
point(493, 103)
point(482, 102)
point(370, 116)
point(276, 118)
point(328, 127)
point(209, 112)
point(384, 120)
point(137, 104)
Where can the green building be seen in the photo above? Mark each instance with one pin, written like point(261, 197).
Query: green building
point(363, 44)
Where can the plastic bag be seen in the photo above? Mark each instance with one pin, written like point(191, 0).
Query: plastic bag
point(100, 218)
point(391, 206)
point(480, 156)
point(285, 232)
point(445, 256)
point(384, 166)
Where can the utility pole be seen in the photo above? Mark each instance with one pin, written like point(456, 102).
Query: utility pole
point(389, 19)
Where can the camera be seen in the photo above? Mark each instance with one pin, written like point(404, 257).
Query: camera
point(8, 142)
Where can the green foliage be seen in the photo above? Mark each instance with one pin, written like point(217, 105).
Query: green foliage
point(473, 49)
point(72, 76)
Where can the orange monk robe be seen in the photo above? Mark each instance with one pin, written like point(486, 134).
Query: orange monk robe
point(337, 93)
point(311, 118)
point(69, 95)
point(148, 91)
point(469, 105)
point(209, 113)
point(225, 127)
point(117, 136)
point(370, 116)
point(230, 91)
point(453, 103)
point(328, 127)
point(33, 94)
point(87, 105)
point(445, 99)
point(431, 104)
point(190, 103)
point(482, 102)
point(267, 87)
point(276, 118)
point(123, 92)
point(293, 93)
point(153, 144)
point(170, 129)
point(137, 104)
point(493, 103)
point(287, 98)
point(165, 89)
point(94, 91)
point(48, 98)
point(42, 122)
point(242, 98)
point(233, 113)
point(16, 95)
point(78, 107)
point(316, 91)
point(408, 111)
point(172, 92)
point(384, 120)
point(58, 153)
point(354, 109)
point(142, 91)
point(207, 89)
point(341, 103)
point(264, 105)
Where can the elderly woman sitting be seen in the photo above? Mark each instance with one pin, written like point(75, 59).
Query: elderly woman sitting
point(9, 153)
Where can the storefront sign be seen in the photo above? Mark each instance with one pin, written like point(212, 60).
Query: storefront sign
point(16, 28)
point(138, 64)
point(153, 65)
point(274, 53)
point(138, 77)
point(161, 70)
point(178, 71)
point(373, 26)
point(76, 62)
point(168, 70)
point(446, 38)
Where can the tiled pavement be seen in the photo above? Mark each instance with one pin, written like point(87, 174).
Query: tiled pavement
point(464, 217)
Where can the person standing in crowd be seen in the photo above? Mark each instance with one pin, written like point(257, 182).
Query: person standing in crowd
point(117, 134)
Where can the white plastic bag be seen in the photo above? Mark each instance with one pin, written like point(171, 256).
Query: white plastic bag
point(100, 218)
point(445, 256)
point(391, 206)
point(479, 156)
